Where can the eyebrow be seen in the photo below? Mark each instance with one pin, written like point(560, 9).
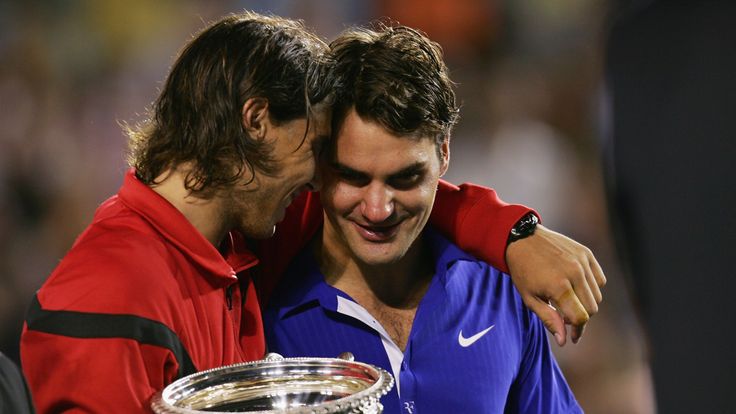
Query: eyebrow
point(416, 168)
point(412, 169)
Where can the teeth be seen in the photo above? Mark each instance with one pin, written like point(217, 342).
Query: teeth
point(379, 230)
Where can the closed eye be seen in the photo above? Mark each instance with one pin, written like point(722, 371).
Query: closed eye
point(405, 182)
point(407, 178)
point(350, 176)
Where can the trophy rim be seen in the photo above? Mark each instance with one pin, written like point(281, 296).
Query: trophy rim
point(163, 401)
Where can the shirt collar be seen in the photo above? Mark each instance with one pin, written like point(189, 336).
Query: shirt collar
point(445, 252)
point(175, 228)
point(308, 287)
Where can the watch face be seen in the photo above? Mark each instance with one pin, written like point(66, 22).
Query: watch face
point(524, 227)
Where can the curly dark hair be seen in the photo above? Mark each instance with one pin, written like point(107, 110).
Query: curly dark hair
point(197, 116)
point(396, 76)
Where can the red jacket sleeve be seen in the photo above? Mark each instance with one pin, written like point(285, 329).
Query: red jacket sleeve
point(477, 220)
point(83, 375)
point(470, 215)
point(85, 345)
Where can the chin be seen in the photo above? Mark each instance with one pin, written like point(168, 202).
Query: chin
point(378, 258)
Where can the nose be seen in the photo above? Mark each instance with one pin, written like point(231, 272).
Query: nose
point(378, 203)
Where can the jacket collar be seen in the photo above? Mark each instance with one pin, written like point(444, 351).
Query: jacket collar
point(175, 228)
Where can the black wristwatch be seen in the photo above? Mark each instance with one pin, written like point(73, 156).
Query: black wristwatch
point(523, 228)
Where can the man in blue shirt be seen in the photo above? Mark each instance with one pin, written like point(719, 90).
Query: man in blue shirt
point(453, 330)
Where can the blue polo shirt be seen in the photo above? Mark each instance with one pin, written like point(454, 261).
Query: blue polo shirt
point(473, 348)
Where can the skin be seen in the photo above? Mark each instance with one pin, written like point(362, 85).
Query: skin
point(255, 206)
point(567, 292)
point(375, 209)
point(257, 201)
point(376, 206)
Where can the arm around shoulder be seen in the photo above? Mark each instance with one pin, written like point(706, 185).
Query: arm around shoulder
point(477, 220)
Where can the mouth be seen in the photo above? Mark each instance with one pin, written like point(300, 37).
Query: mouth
point(377, 234)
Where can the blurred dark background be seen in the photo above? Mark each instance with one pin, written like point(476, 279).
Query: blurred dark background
point(529, 74)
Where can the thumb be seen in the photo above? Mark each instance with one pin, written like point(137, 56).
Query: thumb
point(551, 319)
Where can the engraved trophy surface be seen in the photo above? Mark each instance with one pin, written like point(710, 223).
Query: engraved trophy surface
point(279, 385)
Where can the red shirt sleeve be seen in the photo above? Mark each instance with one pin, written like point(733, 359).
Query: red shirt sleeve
point(470, 215)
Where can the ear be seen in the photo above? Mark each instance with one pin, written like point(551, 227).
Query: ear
point(255, 117)
point(444, 155)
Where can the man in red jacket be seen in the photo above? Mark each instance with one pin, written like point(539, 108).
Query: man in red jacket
point(160, 284)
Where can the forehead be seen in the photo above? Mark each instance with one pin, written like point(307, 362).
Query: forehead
point(363, 141)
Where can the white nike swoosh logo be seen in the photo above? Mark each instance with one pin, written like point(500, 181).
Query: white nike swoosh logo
point(466, 342)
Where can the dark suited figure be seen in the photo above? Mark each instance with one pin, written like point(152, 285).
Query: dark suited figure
point(14, 395)
point(671, 74)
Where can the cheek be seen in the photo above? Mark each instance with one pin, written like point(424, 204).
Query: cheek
point(419, 200)
point(340, 198)
point(299, 173)
point(307, 168)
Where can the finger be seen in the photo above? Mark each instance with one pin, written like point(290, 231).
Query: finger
point(573, 312)
point(549, 316)
point(583, 290)
point(576, 332)
point(593, 285)
point(600, 278)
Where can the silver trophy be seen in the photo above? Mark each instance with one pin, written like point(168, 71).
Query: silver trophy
point(279, 385)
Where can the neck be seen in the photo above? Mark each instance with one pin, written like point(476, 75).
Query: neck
point(205, 214)
point(399, 285)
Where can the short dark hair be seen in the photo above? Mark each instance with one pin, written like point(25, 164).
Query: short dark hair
point(396, 76)
point(197, 116)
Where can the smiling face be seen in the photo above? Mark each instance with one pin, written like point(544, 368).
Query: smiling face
point(378, 190)
point(254, 207)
